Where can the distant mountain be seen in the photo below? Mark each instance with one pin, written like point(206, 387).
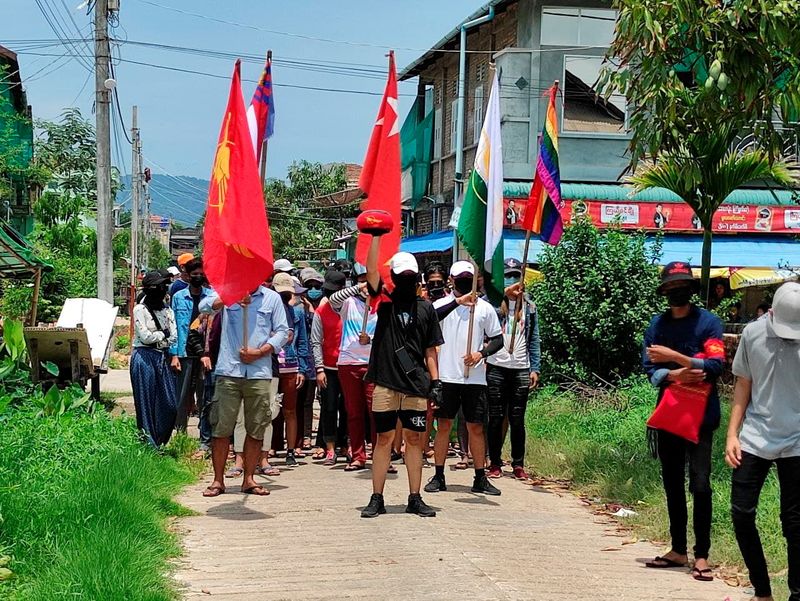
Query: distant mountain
point(180, 197)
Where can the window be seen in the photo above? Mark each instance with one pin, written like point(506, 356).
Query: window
point(562, 26)
point(453, 124)
point(437, 133)
point(477, 114)
point(584, 111)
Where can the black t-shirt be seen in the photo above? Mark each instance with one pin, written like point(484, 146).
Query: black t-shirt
point(195, 306)
point(415, 329)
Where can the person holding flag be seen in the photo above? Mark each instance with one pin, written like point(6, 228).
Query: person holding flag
point(238, 259)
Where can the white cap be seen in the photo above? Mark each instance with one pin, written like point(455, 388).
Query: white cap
point(283, 265)
point(461, 267)
point(173, 270)
point(403, 261)
point(786, 311)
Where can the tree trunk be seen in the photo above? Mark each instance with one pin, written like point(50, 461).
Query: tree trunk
point(705, 267)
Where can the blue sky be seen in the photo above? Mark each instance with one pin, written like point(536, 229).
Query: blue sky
point(179, 113)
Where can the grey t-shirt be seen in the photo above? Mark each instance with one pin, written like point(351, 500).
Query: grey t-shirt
point(771, 428)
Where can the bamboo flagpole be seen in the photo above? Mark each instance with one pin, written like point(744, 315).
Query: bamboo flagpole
point(521, 297)
point(474, 295)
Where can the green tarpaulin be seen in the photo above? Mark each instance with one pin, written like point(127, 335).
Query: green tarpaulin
point(17, 259)
point(416, 144)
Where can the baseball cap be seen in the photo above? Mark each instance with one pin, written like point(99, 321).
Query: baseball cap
point(786, 311)
point(173, 270)
point(359, 269)
point(310, 275)
point(461, 267)
point(403, 261)
point(155, 278)
point(185, 258)
point(676, 271)
point(512, 265)
point(298, 287)
point(282, 282)
point(334, 280)
point(283, 265)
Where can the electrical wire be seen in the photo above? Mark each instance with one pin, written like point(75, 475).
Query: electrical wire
point(56, 26)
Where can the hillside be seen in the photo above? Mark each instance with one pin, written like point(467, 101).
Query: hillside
point(181, 197)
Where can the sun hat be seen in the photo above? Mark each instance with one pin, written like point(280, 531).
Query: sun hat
point(284, 265)
point(311, 275)
point(282, 282)
point(334, 280)
point(786, 311)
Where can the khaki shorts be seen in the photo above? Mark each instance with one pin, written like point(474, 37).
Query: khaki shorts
point(229, 395)
point(384, 399)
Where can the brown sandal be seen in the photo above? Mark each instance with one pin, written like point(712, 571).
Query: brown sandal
point(702, 575)
point(355, 467)
point(213, 491)
point(256, 490)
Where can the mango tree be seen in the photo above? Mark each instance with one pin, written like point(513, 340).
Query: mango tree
point(700, 76)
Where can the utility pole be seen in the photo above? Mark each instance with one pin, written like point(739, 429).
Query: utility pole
point(136, 187)
point(103, 87)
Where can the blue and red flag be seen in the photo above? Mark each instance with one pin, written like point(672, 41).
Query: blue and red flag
point(261, 112)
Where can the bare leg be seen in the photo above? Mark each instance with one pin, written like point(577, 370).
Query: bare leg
point(397, 444)
point(381, 456)
point(413, 459)
point(442, 440)
point(477, 445)
point(219, 455)
point(252, 451)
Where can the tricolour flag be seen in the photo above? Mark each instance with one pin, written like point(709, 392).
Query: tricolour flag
point(480, 224)
point(237, 246)
point(380, 176)
point(261, 112)
point(542, 213)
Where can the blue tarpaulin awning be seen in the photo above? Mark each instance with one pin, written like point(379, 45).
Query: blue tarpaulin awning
point(727, 251)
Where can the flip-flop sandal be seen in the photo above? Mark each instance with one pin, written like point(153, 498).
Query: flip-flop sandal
point(234, 472)
point(461, 465)
point(354, 467)
point(256, 490)
point(299, 454)
point(702, 575)
point(213, 491)
point(307, 446)
point(318, 455)
point(662, 563)
point(329, 460)
point(392, 469)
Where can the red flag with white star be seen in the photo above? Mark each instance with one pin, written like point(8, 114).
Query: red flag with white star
point(237, 246)
point(380, 176)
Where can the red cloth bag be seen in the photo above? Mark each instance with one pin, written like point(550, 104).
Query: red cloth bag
point(683, 406)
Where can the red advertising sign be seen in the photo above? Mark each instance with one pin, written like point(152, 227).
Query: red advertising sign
point(672, 217)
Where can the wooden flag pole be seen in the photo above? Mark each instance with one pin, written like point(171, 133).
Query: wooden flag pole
point(521, 297)
point(471, 327)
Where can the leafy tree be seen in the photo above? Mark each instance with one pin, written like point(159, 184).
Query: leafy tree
point(594, 302)
point(695, 70)
point(300, 228)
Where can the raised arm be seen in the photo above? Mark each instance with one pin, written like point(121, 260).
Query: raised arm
point(373, 274)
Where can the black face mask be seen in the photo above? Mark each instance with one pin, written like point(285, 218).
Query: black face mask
point(154, 297)
point(405, 287)
point(436, 290)
point(463, 285)
point(197, 281)
point(679, 297)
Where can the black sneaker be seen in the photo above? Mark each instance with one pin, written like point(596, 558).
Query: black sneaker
point(418, 506)
point(290, 460)
point(375, 507)
point(436, 484)
point(483, 485)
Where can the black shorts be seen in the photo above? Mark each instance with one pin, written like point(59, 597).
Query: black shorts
point(470, 398)
point(386, 421)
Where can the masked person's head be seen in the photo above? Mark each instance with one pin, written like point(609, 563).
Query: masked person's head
point(283, 284)
point(182, 261)
point(194, 269)
point(334, 281)
point(678, 284)
point(435, 285)
point(462, 274)
point(360, 272)
point(154, 288)
point(784, 315)
point(405, 274)
point(312, 280)
point(512, 271)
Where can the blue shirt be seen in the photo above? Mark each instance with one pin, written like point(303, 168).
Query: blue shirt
point(687, 336)
point(182, 306)
point(266, 324)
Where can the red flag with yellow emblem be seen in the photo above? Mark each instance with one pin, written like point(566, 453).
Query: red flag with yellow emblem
point(237, 245)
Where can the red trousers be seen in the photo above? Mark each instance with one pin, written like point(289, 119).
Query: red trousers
point(358, 402)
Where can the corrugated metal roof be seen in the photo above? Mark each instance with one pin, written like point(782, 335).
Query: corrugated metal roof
point(743, 196)
point(413, 69)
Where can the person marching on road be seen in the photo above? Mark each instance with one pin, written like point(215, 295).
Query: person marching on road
point(460, 390)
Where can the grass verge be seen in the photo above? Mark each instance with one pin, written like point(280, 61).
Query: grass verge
point(598, 442)
point(84, 508)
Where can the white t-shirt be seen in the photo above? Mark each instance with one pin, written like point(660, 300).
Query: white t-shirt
point(519, 359)
point(454, 331)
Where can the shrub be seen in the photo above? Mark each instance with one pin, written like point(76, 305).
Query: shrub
point(594, 303)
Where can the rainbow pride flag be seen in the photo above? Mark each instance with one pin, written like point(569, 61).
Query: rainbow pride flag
point(542, 213)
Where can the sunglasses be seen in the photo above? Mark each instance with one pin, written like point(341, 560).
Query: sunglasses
point(314, 286)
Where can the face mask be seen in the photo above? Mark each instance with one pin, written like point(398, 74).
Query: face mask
point(510, 281)
point(314, 294)
point(436, 290)
point(405, 286)
point(197, 280)
point(463, 285)
point(679, 297)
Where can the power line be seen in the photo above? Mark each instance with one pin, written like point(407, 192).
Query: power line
point(60, 33)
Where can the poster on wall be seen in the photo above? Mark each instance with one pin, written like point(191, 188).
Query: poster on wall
point(674, 217)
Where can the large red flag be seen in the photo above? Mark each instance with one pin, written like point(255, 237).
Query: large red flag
point(237, 246)
point(380, 176)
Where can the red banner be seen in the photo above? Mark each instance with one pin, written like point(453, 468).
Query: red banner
point(672, 217)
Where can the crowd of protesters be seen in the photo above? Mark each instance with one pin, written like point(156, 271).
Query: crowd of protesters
point(395, 376)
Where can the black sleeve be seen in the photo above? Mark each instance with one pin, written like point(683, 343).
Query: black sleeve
point(372, 292)
point(434, 334)
point(494, 344)
point(445, 310)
